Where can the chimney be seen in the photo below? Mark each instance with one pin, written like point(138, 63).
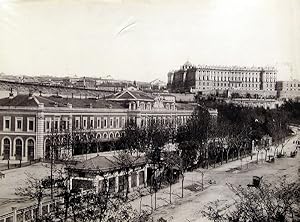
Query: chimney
point(91, 105)
point(30, 96)
point(11, 95)
point(69, 105)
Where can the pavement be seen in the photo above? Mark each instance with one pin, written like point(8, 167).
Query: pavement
point(15, 178)
point(235, 172)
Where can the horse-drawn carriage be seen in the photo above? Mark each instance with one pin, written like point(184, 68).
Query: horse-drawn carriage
point(294, 154)
point(255, 181)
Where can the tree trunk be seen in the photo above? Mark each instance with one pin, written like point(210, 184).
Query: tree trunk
point(127, 186)
point(151, 202)
point(155, 199)
point(74, 215)
point(66, 206)
point(227, 156)
point(38, 211)
point(141, 204)
point(170, 193)
point(222, 156)
point(182, 186)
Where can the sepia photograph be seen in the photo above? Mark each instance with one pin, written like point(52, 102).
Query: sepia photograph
point(149, 110)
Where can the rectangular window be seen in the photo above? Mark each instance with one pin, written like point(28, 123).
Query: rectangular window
point(47, 125)
point(77, 122)
point(105, 123)
point(92, 122)
point(56, 123)
point(117, 122)
point(19, 124)
point(98, 122)
point(123, 122)
point(64, 124)
point(111, 122)
point(30, 124)
point(6, 123)
point(84, 125)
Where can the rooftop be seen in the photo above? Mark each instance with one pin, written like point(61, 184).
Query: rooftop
point(131, 95)
point(19, 100)
point(106, 163)
point(57, 101)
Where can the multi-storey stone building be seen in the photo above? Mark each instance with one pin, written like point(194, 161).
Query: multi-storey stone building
point(288, 89)
point(27, 120)
point(222, 79)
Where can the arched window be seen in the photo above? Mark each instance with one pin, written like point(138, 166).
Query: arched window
point(19, 149)
point(105, 135)
point(30, 149)
point(111, 135)
point(117, 135)
point(6, 149)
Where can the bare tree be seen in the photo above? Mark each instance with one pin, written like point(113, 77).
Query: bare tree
point(268, 202)
point(188, 152)
point(35, 189)
point(171, 169)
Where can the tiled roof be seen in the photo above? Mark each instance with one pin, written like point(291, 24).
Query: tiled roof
point(142, 95)
point(98, 162)
point(80, 103)
point(19, 100)
point(105, 163)
point(53, 101)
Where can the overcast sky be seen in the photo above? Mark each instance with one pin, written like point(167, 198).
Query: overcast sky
point(143, 40)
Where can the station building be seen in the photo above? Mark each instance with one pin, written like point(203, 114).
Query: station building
point(27, 120)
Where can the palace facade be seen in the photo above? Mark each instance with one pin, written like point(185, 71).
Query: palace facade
point(27, 120)
point(223, 79)
point(288, 89)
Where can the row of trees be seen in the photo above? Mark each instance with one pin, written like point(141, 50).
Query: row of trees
point(204, 141)
point(169, 150)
